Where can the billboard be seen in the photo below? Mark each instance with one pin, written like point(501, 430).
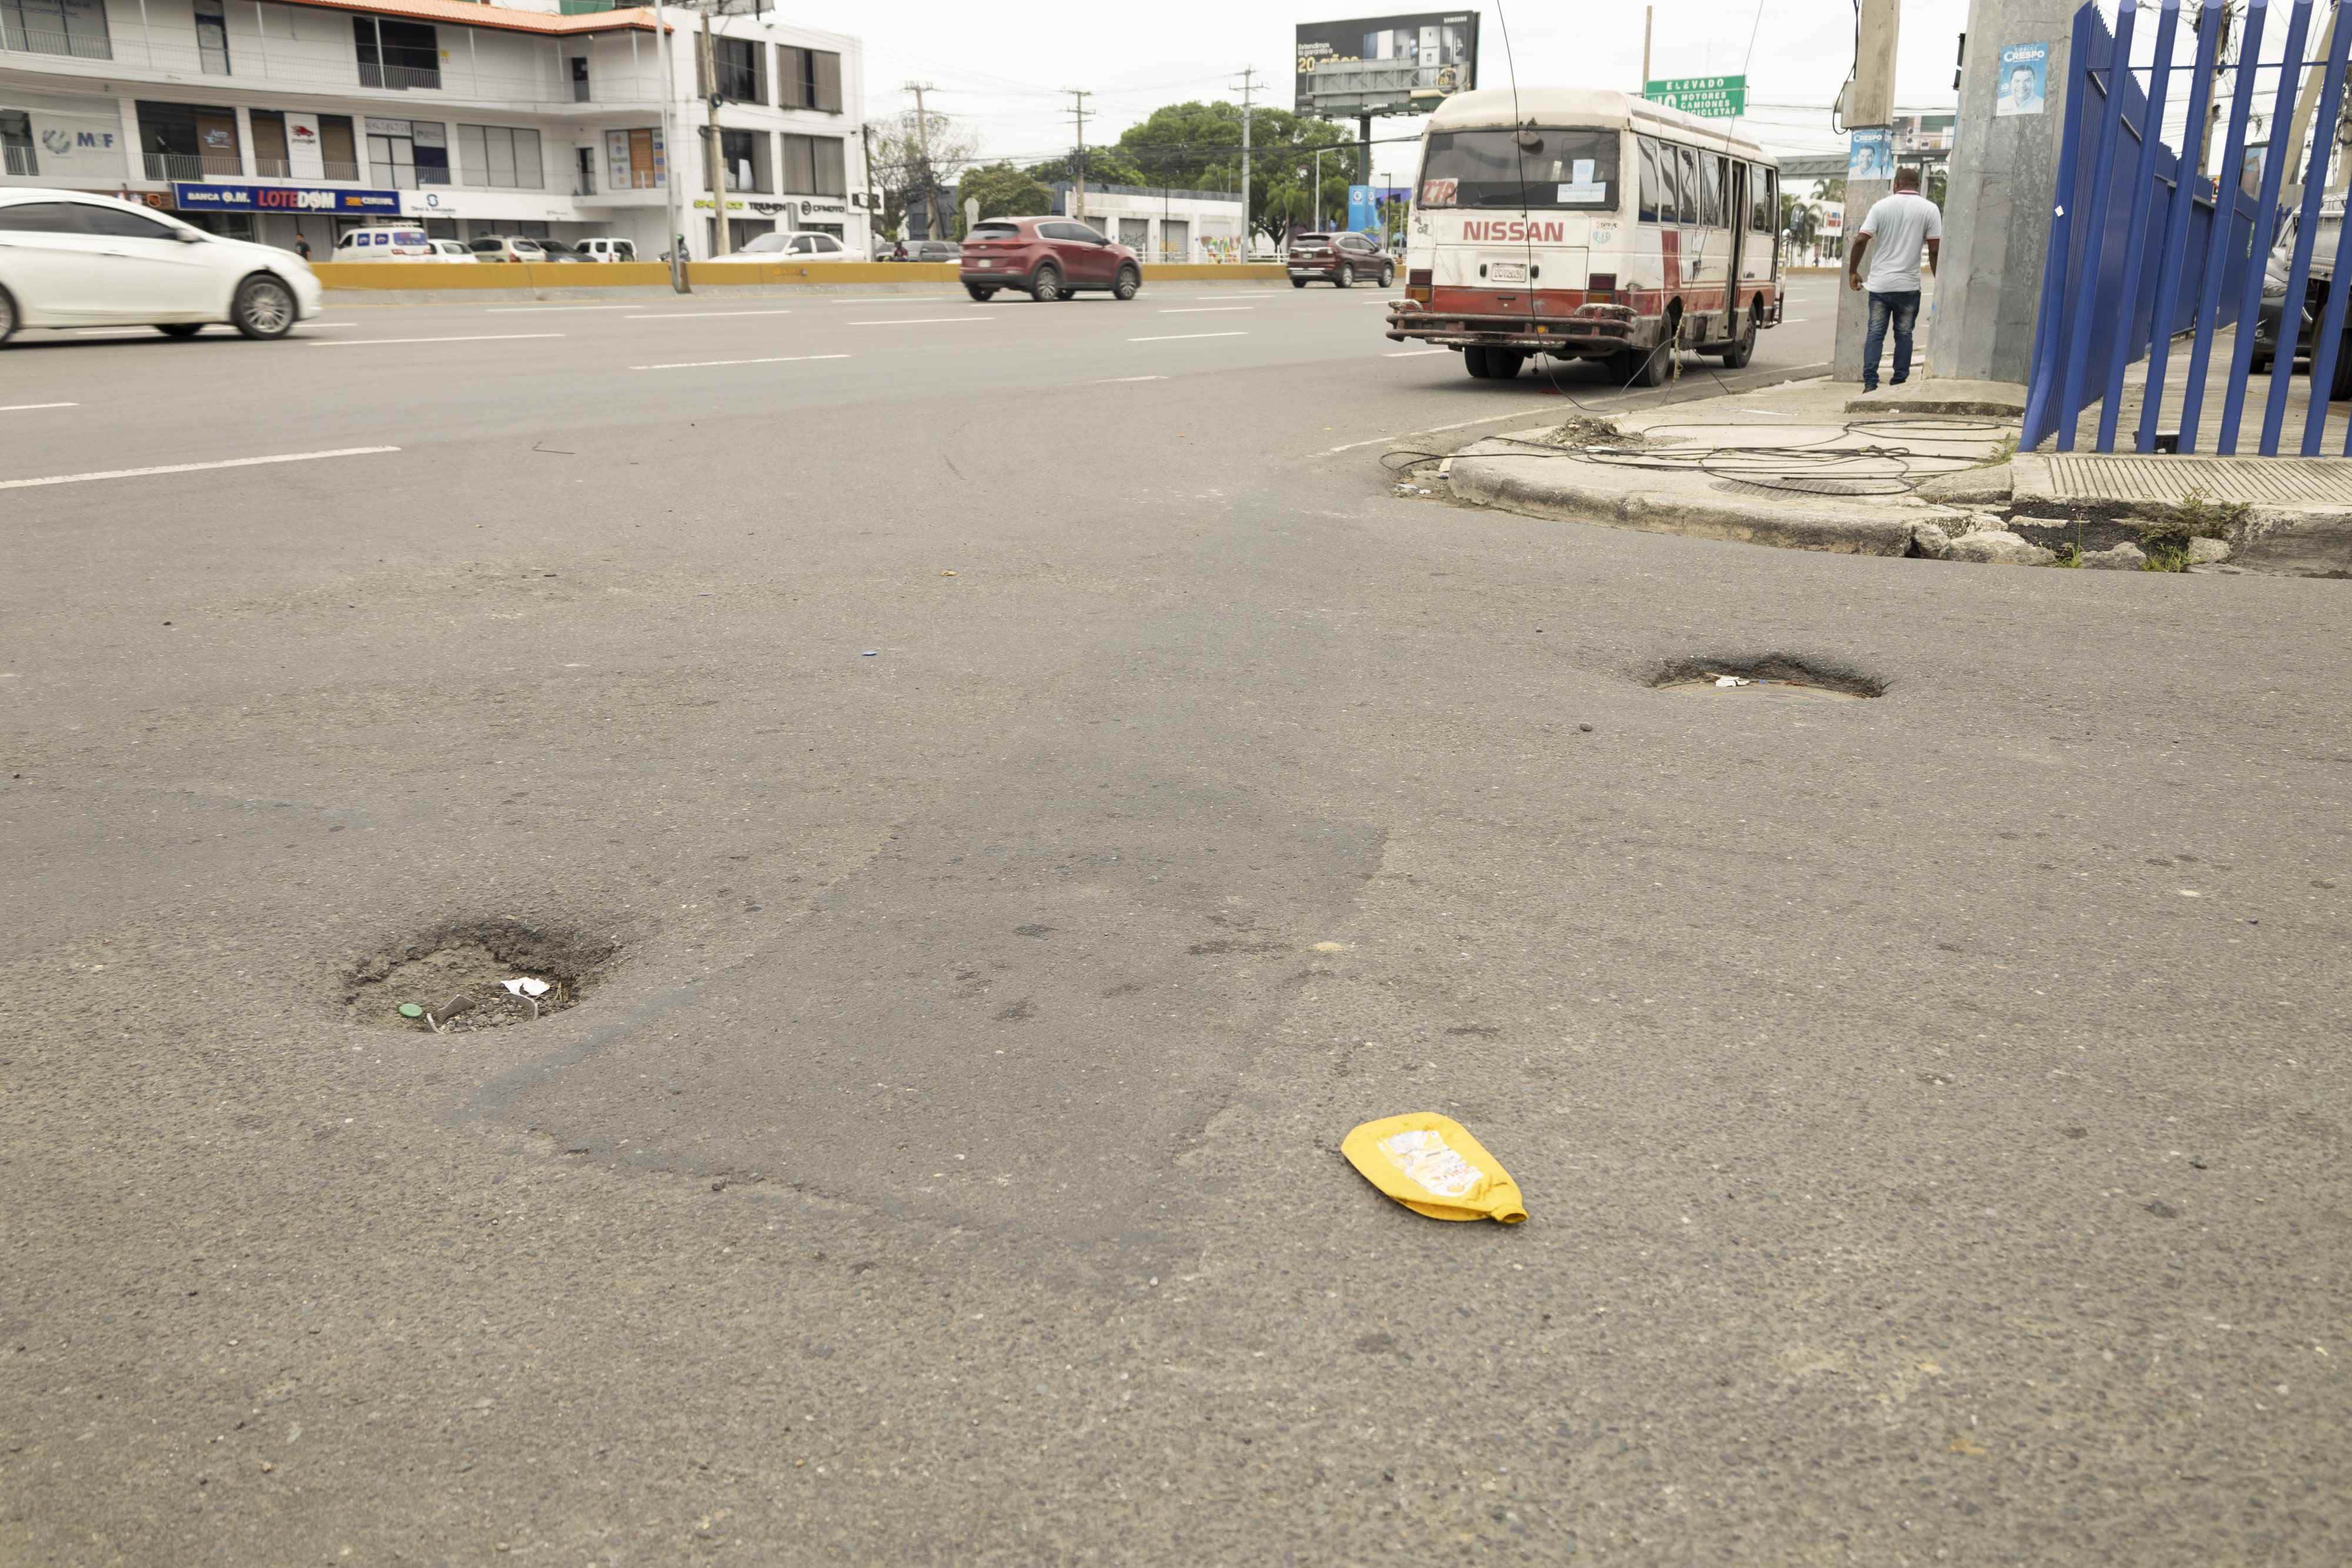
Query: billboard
point(1386, 65)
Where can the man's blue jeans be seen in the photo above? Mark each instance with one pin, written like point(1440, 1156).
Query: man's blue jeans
point(1904, 309)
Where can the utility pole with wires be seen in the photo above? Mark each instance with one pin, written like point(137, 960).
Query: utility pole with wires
point(714, 151)
point(1249, 81)
point(1868, 103)
point(1079, 97)
point(671, 217)
point(923, 141)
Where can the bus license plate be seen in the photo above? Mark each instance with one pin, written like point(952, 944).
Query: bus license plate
point(1507, 272)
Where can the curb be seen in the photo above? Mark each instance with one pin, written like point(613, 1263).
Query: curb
point(1516, 483)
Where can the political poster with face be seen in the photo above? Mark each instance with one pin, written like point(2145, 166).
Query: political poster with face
point(2023, 76)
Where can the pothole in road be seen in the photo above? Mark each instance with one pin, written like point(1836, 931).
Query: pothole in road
point(1776, 677)
point(455, 977)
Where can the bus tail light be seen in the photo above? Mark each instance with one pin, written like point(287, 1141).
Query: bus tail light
point(1417, 284)
point(1600, 287)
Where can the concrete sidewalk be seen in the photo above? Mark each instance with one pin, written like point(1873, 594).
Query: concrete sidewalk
point(1790, 465)
point(1925, 469)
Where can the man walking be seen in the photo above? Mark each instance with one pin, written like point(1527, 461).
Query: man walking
point(1890, 236)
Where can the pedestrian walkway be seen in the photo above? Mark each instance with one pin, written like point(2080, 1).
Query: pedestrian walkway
point(2335, 423)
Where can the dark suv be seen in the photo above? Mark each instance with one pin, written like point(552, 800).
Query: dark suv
point(1338, 259)
point(1049, 258)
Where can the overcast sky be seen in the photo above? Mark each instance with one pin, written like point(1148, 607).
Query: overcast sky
point(1001, 71)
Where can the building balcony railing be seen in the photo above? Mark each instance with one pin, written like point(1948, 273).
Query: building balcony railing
point(39, 41)
point(191, 167)
point(400, 79)
point(18, 161)
point(272, 169)
point(639, 179)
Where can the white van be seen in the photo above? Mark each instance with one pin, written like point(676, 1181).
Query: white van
point(384, 242)
point(606, 249)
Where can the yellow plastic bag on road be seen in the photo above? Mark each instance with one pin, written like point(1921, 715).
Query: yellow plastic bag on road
point(1432, 1166)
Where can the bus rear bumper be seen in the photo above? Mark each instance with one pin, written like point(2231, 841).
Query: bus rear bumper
point(1591, 329)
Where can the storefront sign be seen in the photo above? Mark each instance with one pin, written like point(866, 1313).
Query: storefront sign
point(704, 202)
point(66, 140)
point(282, 199)
point(305, 155)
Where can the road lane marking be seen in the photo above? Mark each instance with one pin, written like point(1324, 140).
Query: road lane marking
point(706, 364)
point(1414, 353)
point(1205, 310)
point(485, 338)
point(1434, 429)
point(695, 315)
point(914, 321)
point(1121, 381)
point(194, 467)
point(1179, 337)
point(28, 407)
point(546, 310)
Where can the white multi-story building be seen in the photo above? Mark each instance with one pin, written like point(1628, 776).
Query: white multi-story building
point(263, 118)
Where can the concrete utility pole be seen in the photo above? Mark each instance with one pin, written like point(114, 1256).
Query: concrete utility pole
point(930, 180)
point(714, 151)
point(2306, 101)
point(2001, 183)
point(1079, 97)
point(1249, 81)
point(1869, 106)
point(671, 197)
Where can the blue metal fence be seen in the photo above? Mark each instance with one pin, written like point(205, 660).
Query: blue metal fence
point(2145, 247)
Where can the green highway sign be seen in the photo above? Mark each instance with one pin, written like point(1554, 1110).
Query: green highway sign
point(1716, 98)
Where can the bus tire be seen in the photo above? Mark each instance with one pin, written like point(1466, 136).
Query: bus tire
point(1298, 283)
point(1473, 359)
point(1735, 358)
point(1503, 364)
point(1656, 366)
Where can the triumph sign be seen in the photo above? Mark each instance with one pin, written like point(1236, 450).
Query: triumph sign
point(1386, 65)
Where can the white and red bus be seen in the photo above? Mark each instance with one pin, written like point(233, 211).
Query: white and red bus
point(1591, 226)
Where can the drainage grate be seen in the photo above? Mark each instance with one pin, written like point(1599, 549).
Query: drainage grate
point(2288, 481)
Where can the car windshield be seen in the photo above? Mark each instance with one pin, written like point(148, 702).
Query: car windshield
point(1305, 240)
point(556, 248)
point(762, 244)
point(994, 231)
point(1539, 168)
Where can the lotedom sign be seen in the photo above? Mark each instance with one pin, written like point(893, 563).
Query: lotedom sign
point(1386, 65)
point(283, 199)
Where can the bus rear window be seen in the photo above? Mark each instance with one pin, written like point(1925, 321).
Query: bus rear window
point(1556, 169)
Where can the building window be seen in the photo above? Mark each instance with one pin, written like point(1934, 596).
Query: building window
point(816, 166)
point(739, 69)
point(632, 159)
point(272, 159)
point(397, 55)
point(810, 78)
point(740, 151)
point(186, 142)
point(338, 146)
point(16, 143)
point(76, 27)
point(212, 37)
point(500, 158)
point(407, 154)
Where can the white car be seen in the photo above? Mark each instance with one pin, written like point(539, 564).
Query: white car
point(452, 250)
point(776, 247)
point(67, 259)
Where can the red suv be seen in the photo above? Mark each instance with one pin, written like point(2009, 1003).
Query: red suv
point(1052, 259)
point(1339, 258)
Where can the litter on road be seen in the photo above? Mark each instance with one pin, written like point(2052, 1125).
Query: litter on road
point(1432, 1166)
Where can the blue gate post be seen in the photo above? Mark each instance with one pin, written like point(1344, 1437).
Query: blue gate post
point(2142, 196)
point(2307, 233)
point(2212, 23)
point(2047, 371)
point(2225, 218)
point(2250, 293)
point(2103, 164)
point(2328, 343)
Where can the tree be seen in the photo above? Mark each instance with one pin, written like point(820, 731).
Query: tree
point(1105, 166)
point(899, 168)
point(1198, 146)
point(1004, 191)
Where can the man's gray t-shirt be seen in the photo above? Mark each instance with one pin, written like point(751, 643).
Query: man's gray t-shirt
point(1899, 226)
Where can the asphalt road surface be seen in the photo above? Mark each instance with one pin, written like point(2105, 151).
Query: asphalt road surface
point(1027, 786)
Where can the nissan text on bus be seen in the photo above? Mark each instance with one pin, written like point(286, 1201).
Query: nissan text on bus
point(1588, 225)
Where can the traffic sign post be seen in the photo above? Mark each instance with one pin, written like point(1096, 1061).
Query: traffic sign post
point(1713, 98)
